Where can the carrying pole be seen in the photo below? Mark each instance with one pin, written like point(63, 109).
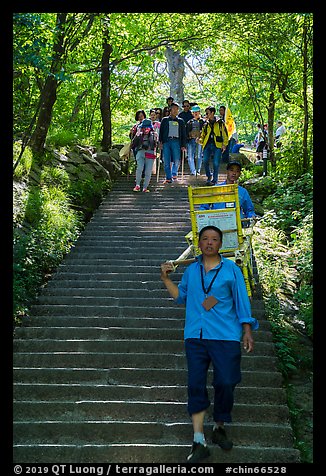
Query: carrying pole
point(158, 166)
point(182, 163)
point(128, 163)
point(183, 261)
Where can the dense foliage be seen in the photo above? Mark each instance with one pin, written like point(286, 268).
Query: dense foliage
point(48, 218)
point(258, 64)
point(283, 247)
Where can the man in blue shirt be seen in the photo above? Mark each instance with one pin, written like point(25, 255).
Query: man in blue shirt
point(233, 171)
point(218, 315)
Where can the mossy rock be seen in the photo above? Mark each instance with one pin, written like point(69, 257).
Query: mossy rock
point(260, 187)
point(114, 154)
point(242, 158)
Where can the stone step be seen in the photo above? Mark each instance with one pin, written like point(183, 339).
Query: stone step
point(111, 292)
point(168, 207)
point(92, 247)
point(98, 309)
point(150, 453)
point(96, 324)
point(124, 243)
point(164, 236)
point(103, 226)
point(101, 291)
point(110, 333)
point(116, 238)
point(133, 224)
point(157, 245)
point(133, 259)
point(136, 411)
point(131, 263)
point(83, 256)
point(93, 354)
point(136, 301)
point(133, 376)
point(178, 393)
point(159, 193)
point(90, 324)
point(145, 212)
point(108, 283)
point(173, 376)
point(124, 274)
point(148, 227)
point(133, 218)
point(144, 432)
point(125, 267)
point(117, 345)
point(111, 256)
point(115, 284)
point(170, 210)
point(130, 199)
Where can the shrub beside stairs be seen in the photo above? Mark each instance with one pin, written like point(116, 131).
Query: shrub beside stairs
point(99, 367)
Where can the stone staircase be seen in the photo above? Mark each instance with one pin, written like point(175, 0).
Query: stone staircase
point(99, 367)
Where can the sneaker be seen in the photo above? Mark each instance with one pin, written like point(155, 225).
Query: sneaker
point(174, 177)
point(213, 182)
point(208, 182)
point(167, 181)
point(219, 438)
point(136, 189)
point(198, 173)
point(145, 190)
point(198, 453)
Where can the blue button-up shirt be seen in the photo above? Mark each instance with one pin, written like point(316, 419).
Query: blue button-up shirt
point(247, 209)
point(224, 320)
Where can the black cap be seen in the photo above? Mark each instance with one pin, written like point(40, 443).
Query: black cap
point(234, 162)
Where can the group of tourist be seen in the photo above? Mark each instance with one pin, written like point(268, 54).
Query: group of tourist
point(188, 132)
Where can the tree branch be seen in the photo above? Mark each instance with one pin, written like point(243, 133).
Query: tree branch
point(165, 42)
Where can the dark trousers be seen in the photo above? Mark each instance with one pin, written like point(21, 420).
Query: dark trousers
point(225, 357)
point(226, 154)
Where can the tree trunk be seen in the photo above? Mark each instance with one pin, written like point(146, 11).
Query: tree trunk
point(105, 104)
point(77, 105)
point(49, 96)
point(62, 44)
point(270, 121)
point(305, 99)
point(90, 123)
point(176, 70)
point(49, 91)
